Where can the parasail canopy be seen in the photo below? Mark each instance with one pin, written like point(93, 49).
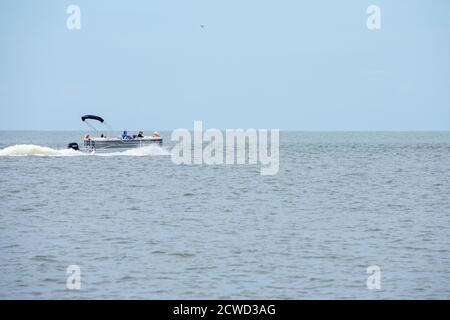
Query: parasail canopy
point(88, 116)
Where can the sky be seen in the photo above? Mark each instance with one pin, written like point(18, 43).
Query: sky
point(286, 64)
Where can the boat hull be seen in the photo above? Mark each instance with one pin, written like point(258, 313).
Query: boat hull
point(119, 144)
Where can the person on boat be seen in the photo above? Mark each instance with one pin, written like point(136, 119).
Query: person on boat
point(87, 137)
point(140, 134)
point(156, 135)
point(125, 135)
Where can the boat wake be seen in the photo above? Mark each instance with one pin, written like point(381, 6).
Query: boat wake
point(35, 150)
point(138, 152)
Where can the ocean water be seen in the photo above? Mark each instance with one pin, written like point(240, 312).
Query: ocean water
point(139, 226)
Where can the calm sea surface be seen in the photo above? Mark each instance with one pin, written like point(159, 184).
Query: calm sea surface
point(139, 226)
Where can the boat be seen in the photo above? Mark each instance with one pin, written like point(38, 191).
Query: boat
point(105, 143)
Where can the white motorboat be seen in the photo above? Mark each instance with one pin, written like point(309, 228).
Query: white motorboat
point(104, 143)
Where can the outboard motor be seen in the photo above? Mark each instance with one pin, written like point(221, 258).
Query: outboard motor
point(73, 145)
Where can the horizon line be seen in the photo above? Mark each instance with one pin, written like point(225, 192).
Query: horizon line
point(204, 129)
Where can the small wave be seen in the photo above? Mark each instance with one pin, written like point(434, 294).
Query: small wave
point(35, 150)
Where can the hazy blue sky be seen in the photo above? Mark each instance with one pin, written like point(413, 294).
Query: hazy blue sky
point(302, 65)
